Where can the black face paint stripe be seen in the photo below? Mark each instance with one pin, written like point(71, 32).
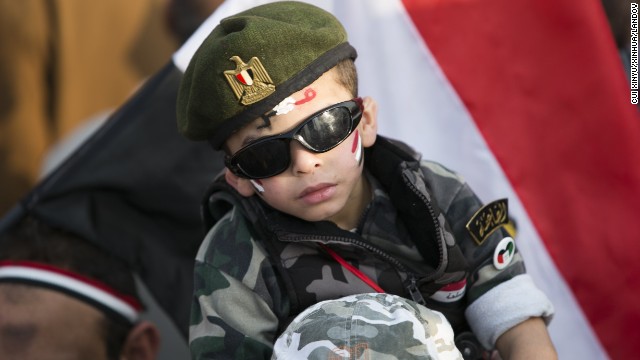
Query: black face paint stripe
point(267, 119)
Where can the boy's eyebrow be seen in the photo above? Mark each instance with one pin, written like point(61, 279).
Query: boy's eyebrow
point(267, 119)
point(251, 137)
point(248, 139)
point(309, 94)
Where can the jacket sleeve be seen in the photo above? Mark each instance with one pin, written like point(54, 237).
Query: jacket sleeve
point(232, 314)
point(497, 299)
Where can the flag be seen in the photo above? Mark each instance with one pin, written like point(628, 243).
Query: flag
point(545, 89)
point(527, 100)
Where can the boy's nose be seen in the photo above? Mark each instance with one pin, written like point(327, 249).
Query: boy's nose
point(303, 160)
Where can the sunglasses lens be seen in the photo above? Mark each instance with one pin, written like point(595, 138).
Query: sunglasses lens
point(264, 159)
point(321, 133)
point(326, 130)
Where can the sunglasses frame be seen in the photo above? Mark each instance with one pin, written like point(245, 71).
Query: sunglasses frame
point(354, 106)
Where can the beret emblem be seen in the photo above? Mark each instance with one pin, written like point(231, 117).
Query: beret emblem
point(250, 81)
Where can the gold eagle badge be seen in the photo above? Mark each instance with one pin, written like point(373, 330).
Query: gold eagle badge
point(250, 81)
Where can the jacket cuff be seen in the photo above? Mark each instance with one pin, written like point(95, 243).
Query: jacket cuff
point(505, 306)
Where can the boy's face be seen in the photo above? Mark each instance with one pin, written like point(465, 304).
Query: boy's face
point(315, 186)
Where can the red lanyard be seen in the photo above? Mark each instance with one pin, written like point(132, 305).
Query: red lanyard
point(353, 270)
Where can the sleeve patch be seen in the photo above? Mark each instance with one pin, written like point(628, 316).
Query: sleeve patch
point(488, 219)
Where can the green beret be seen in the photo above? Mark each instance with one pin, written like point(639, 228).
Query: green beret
point(252, 61)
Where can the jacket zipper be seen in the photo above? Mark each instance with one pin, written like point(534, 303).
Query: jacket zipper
point(439, 235)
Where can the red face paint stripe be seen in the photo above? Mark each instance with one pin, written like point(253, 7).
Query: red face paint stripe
point(356, 139)
point(309, 95)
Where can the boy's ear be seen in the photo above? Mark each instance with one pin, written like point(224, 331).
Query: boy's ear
point(369, 121)
point(142, 342)
point(242, 186)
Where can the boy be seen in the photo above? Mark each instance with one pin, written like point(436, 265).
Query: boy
point(314, 205)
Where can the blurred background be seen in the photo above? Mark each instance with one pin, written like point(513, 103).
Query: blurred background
point(65, 67)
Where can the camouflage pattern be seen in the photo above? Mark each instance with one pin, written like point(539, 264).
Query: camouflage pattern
point(242, 300)
point(367, 326)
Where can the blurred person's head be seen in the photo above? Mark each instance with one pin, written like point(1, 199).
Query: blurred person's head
point(62, 297)
point(183, 17)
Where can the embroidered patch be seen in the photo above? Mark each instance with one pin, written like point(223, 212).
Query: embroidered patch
point(488, 219)
point(452, 292)
point(250, 81)
point(503, 254)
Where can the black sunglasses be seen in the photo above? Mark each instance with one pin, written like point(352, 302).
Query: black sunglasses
point(320, 132)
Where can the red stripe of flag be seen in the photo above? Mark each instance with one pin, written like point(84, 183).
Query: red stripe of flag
point(545, 86)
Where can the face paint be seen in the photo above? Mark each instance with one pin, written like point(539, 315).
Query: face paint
point(258, 185)
point(285, 106)
point(309, 95)
point(356, 148)
point(289, 103)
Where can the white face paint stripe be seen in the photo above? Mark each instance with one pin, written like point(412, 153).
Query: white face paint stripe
point(256, 185)
point(358, 147)
point(69, 283)
point(285, 106)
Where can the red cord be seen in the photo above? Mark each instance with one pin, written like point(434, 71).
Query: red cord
point(353, 270)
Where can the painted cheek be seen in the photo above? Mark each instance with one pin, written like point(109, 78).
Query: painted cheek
point(356, 147)
point(257, 184)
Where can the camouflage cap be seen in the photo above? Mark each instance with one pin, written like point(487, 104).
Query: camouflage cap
point(367, 326)
point(253, 60)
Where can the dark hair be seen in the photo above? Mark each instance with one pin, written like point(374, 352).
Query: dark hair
point(347, 76)
point(35, 241)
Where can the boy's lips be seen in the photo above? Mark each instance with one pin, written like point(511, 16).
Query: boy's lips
point(317, 193)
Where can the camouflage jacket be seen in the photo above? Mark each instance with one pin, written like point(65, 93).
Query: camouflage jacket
point(257, 268)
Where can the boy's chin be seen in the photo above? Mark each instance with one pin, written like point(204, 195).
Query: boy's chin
point(317, 215)
point(315, 218)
